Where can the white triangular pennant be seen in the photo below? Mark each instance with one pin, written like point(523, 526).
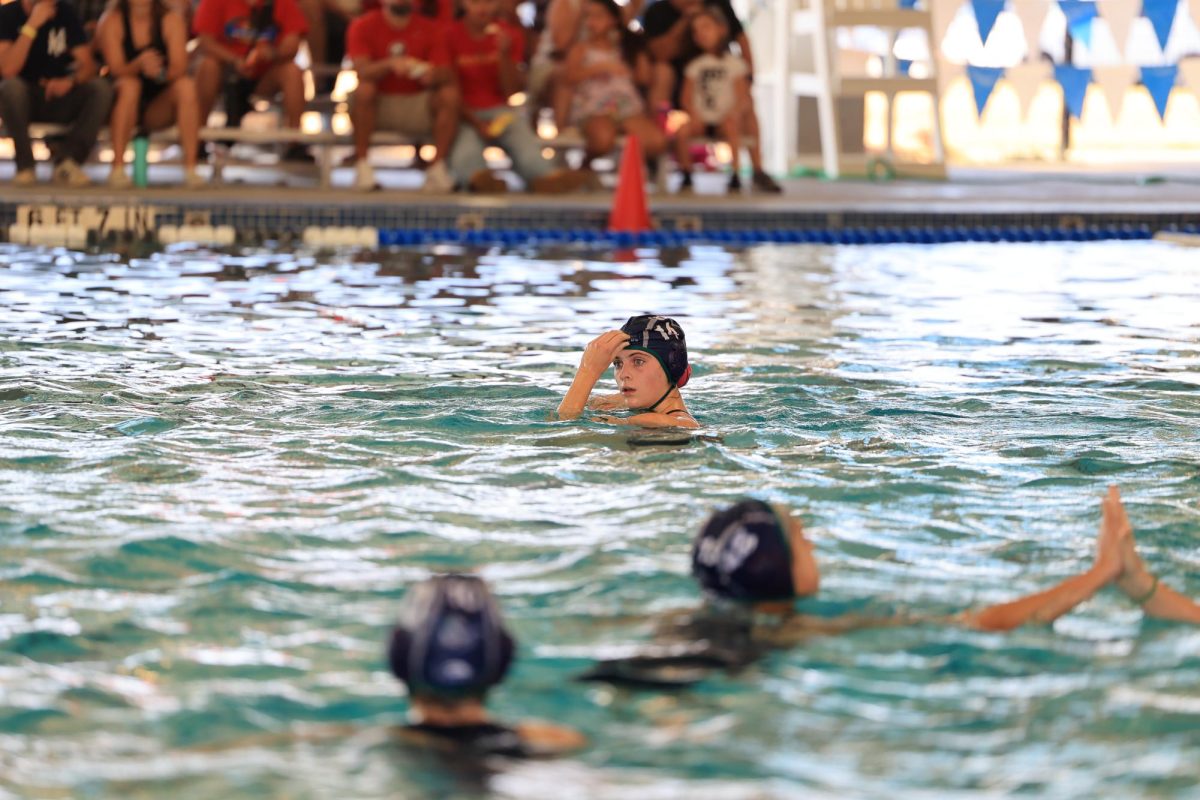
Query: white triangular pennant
point(1115, 81)
point(1032, 14)
point(1189, 69)
point(1026, 79)
point(1120, 14)
point(941, 14)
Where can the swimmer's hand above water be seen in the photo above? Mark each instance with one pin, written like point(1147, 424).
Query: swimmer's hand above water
point(597, 357)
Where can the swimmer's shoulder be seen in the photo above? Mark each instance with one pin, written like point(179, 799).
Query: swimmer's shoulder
point(548, 739)
point(528, 739)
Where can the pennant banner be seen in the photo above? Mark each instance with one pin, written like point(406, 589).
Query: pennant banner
point(1189, 68)
point(983, 80)
point(908, 4)
point(1115, 81)
point(986, 12)
point(1026, 79)
point(1032, 14)
point(1161, 14)
point(1120, 14)
point(1159, 81)
point(1080, 14)
point(1074, 82)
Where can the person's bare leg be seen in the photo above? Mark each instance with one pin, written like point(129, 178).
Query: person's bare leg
point(600, 136)
point(731, 130)
point(752, 133)
point(445, 102)
point(124, 118)
point(209, 73)
point(649, 135)
point(314, 14)
point(662, 85)
point(363, 113)
point(178, 105)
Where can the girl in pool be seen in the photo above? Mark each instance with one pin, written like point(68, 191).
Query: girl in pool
point(450, 648)
point(757, 557)
point(649, 354)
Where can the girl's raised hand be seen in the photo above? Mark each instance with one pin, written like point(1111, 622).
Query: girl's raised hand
point(599, 353)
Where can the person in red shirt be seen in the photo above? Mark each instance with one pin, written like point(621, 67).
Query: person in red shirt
point(487, 54)
point(258, 40)
point(404, 85)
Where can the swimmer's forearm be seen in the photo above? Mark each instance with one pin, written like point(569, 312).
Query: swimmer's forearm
point(577, 396)
point(1166, 603)
point(1043, 607)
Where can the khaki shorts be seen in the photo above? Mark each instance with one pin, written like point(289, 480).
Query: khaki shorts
point(403, 113)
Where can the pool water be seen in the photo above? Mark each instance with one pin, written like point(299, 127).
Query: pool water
point(219, 472)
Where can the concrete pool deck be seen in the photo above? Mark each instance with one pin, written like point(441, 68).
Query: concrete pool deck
point(270, 199)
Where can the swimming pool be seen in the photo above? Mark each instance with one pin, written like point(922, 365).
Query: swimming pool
point(218, 472)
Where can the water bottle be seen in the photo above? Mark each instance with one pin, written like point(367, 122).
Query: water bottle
point(141, 147)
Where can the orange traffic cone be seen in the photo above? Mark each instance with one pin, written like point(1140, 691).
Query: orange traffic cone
point(629, 211)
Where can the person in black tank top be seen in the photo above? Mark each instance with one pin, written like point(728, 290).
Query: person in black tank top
point(144, 44)
point(450, 648)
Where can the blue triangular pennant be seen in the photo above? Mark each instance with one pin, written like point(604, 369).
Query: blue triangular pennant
point(1074, 81)
point(983, 80)
point(1079, 14)
point(1159, 81)
point(908, 3)
point(1161, 14)
point(903, 65)
point(986, 12)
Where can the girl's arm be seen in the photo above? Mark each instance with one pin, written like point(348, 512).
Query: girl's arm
point(1043, 607)
point(108, 37)
point(562, 23)
point(687, 98)
point(596, 358)
point(642, 71)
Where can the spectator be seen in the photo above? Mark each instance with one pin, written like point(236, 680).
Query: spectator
point(600, 78)
point(486, 54)
point(144, 44)
point(564, 26)
point(328, 22)
point(404, 85)
point(716, 97)
point(47, 74)
point(258, 39)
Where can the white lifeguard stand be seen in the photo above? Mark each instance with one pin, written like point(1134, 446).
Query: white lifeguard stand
point(797, 50)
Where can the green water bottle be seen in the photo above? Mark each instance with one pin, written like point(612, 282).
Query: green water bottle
point(141, 147)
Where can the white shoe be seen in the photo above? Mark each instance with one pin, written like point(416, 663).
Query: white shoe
point(438, 179)
point(68, 173)
point(119, 179)
point(25, 177)
point(364, 177)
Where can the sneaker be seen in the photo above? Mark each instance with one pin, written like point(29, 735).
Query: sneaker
point(735, 184)
point(364, 177)
point(119, 179)
point(192, 180)
point(68, 173)
point(25, 177)
point(298, 153)
point(762, 182)
point(486, 182)
point(438, 179)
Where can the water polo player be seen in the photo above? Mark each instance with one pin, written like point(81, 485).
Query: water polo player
point(450, 648)
point(649, 356)
point(755, 561)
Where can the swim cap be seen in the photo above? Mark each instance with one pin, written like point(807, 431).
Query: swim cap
point(743, 553)
point(661, 337)
point(450, 640)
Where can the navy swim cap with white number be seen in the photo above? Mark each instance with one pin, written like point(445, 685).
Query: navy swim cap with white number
point(450, 640)
point(661, 337)
point(742, 553)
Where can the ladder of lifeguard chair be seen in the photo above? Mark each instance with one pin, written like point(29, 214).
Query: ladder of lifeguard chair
point(820, 20)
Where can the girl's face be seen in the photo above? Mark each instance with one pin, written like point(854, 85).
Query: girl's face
point(708, 34)
point(640, 378)
point(480, 12)
point(597, 21)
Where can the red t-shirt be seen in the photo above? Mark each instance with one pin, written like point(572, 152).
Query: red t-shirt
point(477, 63)
point(372, 37)
point(230, 22)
